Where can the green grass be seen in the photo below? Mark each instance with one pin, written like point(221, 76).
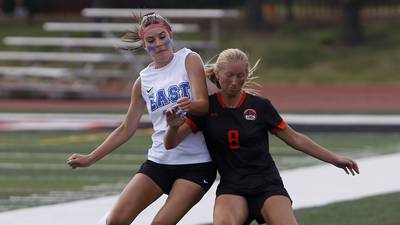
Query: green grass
point(65, 142)
point(376, 210)
point(318, 57)
point(34, 170)
point(34, 163)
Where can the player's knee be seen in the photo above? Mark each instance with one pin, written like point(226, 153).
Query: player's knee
point(223, 221)
point(114, 219)
point(283, 222)
point(161, 222)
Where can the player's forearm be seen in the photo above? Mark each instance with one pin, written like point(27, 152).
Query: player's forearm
point(313, 149)
point(199, 107)
point(170, 138)
point(118, 137)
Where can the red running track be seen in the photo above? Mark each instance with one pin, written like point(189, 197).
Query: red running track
point(334, 98)
point(286, 98)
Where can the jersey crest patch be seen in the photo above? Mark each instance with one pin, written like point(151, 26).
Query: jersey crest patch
point(250, 114)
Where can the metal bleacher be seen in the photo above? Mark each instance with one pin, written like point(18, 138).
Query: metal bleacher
point(92, 63)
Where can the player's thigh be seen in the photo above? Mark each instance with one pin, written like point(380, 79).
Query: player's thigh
point(277, 210)
point(183, 196)
point(230, 209)
point(140, 192)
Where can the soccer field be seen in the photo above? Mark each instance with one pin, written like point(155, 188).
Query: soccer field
point(34, 172)
point(376, 210)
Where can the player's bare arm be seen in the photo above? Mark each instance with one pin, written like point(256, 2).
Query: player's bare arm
point(195, 69)
point(119, 136)
point(303, 143)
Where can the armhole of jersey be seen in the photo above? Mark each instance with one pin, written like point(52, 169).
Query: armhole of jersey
point(192, 125)
point(280, 126)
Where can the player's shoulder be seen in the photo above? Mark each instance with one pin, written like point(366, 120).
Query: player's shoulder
point(185, 52)
point(261, 103)
point(148, 69)
point(258, 99)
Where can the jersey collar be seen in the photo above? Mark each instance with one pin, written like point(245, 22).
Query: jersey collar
point(238, 104)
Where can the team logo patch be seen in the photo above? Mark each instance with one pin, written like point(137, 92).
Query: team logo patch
point(250, 114)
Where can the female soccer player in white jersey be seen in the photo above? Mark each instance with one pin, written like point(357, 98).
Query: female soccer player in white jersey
point(184, 173)
point(236, 132)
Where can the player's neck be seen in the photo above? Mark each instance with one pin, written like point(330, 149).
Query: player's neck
point(162, 61)
point(231, 100)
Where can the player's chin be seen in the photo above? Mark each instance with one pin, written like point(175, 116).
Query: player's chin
point(234, 91)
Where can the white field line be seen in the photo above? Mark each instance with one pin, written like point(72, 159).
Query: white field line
point(24, 155)
point(45, 177)
point(324, 184)
point(346, 119)
point(70, 121)
point(53, 166)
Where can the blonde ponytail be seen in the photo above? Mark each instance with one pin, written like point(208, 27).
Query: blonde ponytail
point(210, 74)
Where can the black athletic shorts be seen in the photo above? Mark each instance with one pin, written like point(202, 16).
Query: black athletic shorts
point(164, 175)
point(255, 201)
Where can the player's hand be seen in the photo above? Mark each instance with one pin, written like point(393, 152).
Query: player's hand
point(347, 164)
point(78, 160)
point(184, 104)
point(173, 118)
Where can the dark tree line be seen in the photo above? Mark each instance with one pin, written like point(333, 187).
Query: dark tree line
point(351, 24)
point(352, 33)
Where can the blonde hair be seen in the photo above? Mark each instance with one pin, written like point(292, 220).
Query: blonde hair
point(144, 21)
point(233, 55)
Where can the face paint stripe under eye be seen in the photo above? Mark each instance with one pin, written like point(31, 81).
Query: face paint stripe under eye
point(151, 48)
point(168, 42)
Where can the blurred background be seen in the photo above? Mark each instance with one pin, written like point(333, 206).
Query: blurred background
point(65, 84)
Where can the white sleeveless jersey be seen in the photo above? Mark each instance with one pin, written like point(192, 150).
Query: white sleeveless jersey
point(161, 88)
